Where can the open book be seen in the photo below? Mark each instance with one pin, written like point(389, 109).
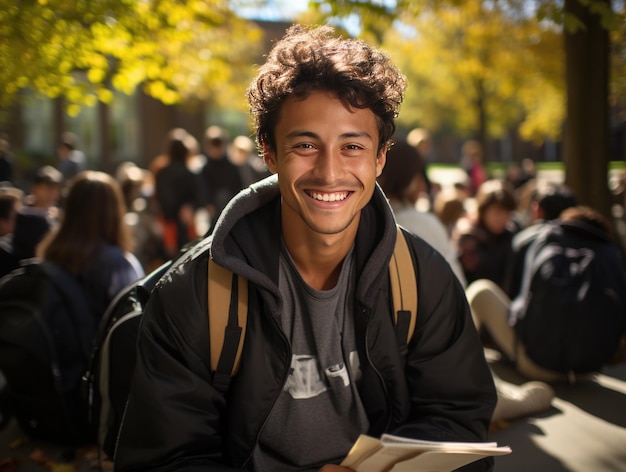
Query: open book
point(396, 454)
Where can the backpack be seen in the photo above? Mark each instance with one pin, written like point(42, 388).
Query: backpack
point(109, 377)
point(571, 311)
point(46, 335)
point(107, 380)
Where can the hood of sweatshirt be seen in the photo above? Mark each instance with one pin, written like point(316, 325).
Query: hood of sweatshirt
point(246, 237)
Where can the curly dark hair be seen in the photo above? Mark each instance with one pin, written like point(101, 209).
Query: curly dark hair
point(311, 58)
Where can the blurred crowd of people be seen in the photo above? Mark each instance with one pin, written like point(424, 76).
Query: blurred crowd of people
point(169, 203)
point(476, 223)
point(110, 230)
point(484, 226)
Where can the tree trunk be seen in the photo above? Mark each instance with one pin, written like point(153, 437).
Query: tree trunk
point(105, 161)
point(586, 142)
point(481, 114)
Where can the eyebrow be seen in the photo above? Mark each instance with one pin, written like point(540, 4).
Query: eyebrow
point(311, 134)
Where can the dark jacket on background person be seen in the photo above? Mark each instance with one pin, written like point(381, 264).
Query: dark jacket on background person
point(8, 260)
point(484, 255)
point(31, 226)
point(177, 421)
point(6, 167)
point(111, 271)
point(222, 182)
point(176, 186)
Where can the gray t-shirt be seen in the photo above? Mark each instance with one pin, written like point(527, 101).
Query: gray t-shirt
point(319, 414)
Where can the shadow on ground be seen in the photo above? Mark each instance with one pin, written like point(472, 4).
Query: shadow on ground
point(584, 431)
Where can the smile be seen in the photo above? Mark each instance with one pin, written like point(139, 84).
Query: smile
point(328, 197)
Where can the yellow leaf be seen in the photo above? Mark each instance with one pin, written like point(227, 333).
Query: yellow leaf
point(96, 76)
point(105, 95)
point(90, 100)
point(73, 109)
point(62, 468)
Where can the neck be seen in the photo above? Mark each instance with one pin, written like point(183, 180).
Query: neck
point(318, 257)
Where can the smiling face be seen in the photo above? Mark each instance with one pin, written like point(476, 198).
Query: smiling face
point(327, 163)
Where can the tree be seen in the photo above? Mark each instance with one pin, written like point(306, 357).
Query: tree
point(463, 75)
point(80, 49)
point(585, 25)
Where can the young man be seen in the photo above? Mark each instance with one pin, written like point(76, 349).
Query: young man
point(220, 175)
point(320, 362)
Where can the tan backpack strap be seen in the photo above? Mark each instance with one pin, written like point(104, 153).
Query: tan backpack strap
point(223, 326)
point(404, 293)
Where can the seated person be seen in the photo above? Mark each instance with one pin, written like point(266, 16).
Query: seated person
point(569, 316)
point(404, 181)
point(92, 243)
point(321, 363)
point(483, 240)
point(547, 202)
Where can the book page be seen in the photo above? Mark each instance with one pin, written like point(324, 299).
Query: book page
point(397, 454)
point(383, 459)
point(362, 448)
point(437, 461)
point(391, 439)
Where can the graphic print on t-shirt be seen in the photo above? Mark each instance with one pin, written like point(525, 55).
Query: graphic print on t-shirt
point(306, 379)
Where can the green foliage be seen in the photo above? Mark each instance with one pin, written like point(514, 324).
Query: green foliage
point(79, 49)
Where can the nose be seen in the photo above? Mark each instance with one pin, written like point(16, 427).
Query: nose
point(329, 164)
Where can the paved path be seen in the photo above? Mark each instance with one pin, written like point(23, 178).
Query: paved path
point(584, 431)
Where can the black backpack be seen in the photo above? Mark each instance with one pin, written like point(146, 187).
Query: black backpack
point(571, 310)
point(46, 336)
point(108, 379)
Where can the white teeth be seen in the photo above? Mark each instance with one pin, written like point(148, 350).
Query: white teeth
point(329, 197)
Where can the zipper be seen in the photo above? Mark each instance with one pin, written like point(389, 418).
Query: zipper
point(371, 363)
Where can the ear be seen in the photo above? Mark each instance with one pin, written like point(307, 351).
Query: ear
point(381, 160)
point(269, 157)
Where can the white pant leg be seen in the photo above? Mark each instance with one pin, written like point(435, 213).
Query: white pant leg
point(490, 308)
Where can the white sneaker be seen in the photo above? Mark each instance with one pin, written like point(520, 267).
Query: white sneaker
point(516, 401)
